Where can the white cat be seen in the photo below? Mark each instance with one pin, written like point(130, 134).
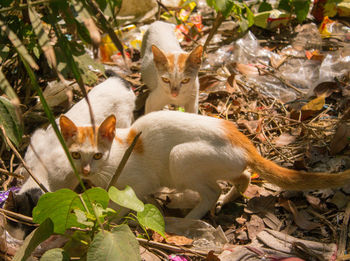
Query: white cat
point(188, 151)
point(47, 160)
point(170, 74)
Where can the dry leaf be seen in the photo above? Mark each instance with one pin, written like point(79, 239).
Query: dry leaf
point(254, 226)
point(247, 69)
point(298, 217)
point(172, 239)
point(284, 139)
point(339, 199)
point(315, 104)
point(340, 139)
point(212, 257)
point(208, 81)
point(309, 109)
point(326, 89)
point(178, 240)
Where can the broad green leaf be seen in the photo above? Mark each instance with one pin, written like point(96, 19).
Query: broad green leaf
point(264, 6)
point(78, 244)
point(9, 120)
point(82, 219)
point(151, 218)
point(85, 17)
point(55, 254)
point(43, 232)
point(105, 25)
point(301, 9)
point(250, 16)
point(120, 244)
point(7, 89)
point(60, 206)
point(285, 5)
point(18, 45)
point(126, 198)
point(43, 38)
point(4, 52)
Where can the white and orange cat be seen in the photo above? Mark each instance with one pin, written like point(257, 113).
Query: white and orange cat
point(170, 73)
point(47, 160)
point(188, 151)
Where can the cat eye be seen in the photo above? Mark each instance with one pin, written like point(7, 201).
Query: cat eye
point(184, 81)
point(166, 80)
point(76, 155)
point(97, 156)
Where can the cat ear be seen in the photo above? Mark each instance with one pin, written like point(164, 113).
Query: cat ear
point(107, 128)
point(68, 128)
point(194, 59)
point(159, 58)
point(10, 203)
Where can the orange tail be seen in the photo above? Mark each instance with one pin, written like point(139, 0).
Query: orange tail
point(293, 179)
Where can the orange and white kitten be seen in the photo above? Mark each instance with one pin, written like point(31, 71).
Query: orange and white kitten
point(170, 73)
point(189, 151)
point(47, 160)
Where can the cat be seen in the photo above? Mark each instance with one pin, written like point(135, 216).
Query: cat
point(170, 74)
point(189, 151)
point(46, 157)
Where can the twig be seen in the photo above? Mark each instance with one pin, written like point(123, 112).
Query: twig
point(12, 174)
point(274, 148)
point(172, 248)
point(21, 159)
point(344, 231)
point(334, 232)
point(23, 6)
point(20, 217)
point(282, 80)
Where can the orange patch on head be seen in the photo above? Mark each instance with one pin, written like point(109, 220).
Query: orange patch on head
point(86, 133)
point(181, 61)
point(171, 62)
point(139, 145)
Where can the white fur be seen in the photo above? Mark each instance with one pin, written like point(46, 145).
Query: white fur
point(181, 151)
point(162, 35)
point(45, 155)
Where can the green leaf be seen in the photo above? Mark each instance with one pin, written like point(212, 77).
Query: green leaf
point(18, 44)
point(264, 6)
point(8, 90)
point(43, 232)
point(43, 38)
point(82, 219)
point(151, 218)
point(55, 254)
point(285, 5)
point(60, 206)
point(301, 9)
point(10, 121)
point(78, 244)
point(126, 198)
point(250, 16)
point(120, 244)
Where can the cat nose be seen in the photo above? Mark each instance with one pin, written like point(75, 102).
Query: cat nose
point(86, 170)
point(174, 92)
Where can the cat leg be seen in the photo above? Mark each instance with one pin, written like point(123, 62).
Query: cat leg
point(195, 166)
point(239, 187)
point(155, 101)
point(192, 106)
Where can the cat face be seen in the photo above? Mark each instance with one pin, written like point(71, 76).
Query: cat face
point(88, 148)
point(177, 72)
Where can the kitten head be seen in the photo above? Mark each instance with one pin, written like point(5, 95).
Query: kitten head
point(88, 148)
point(177, 71)
point(21, 204)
